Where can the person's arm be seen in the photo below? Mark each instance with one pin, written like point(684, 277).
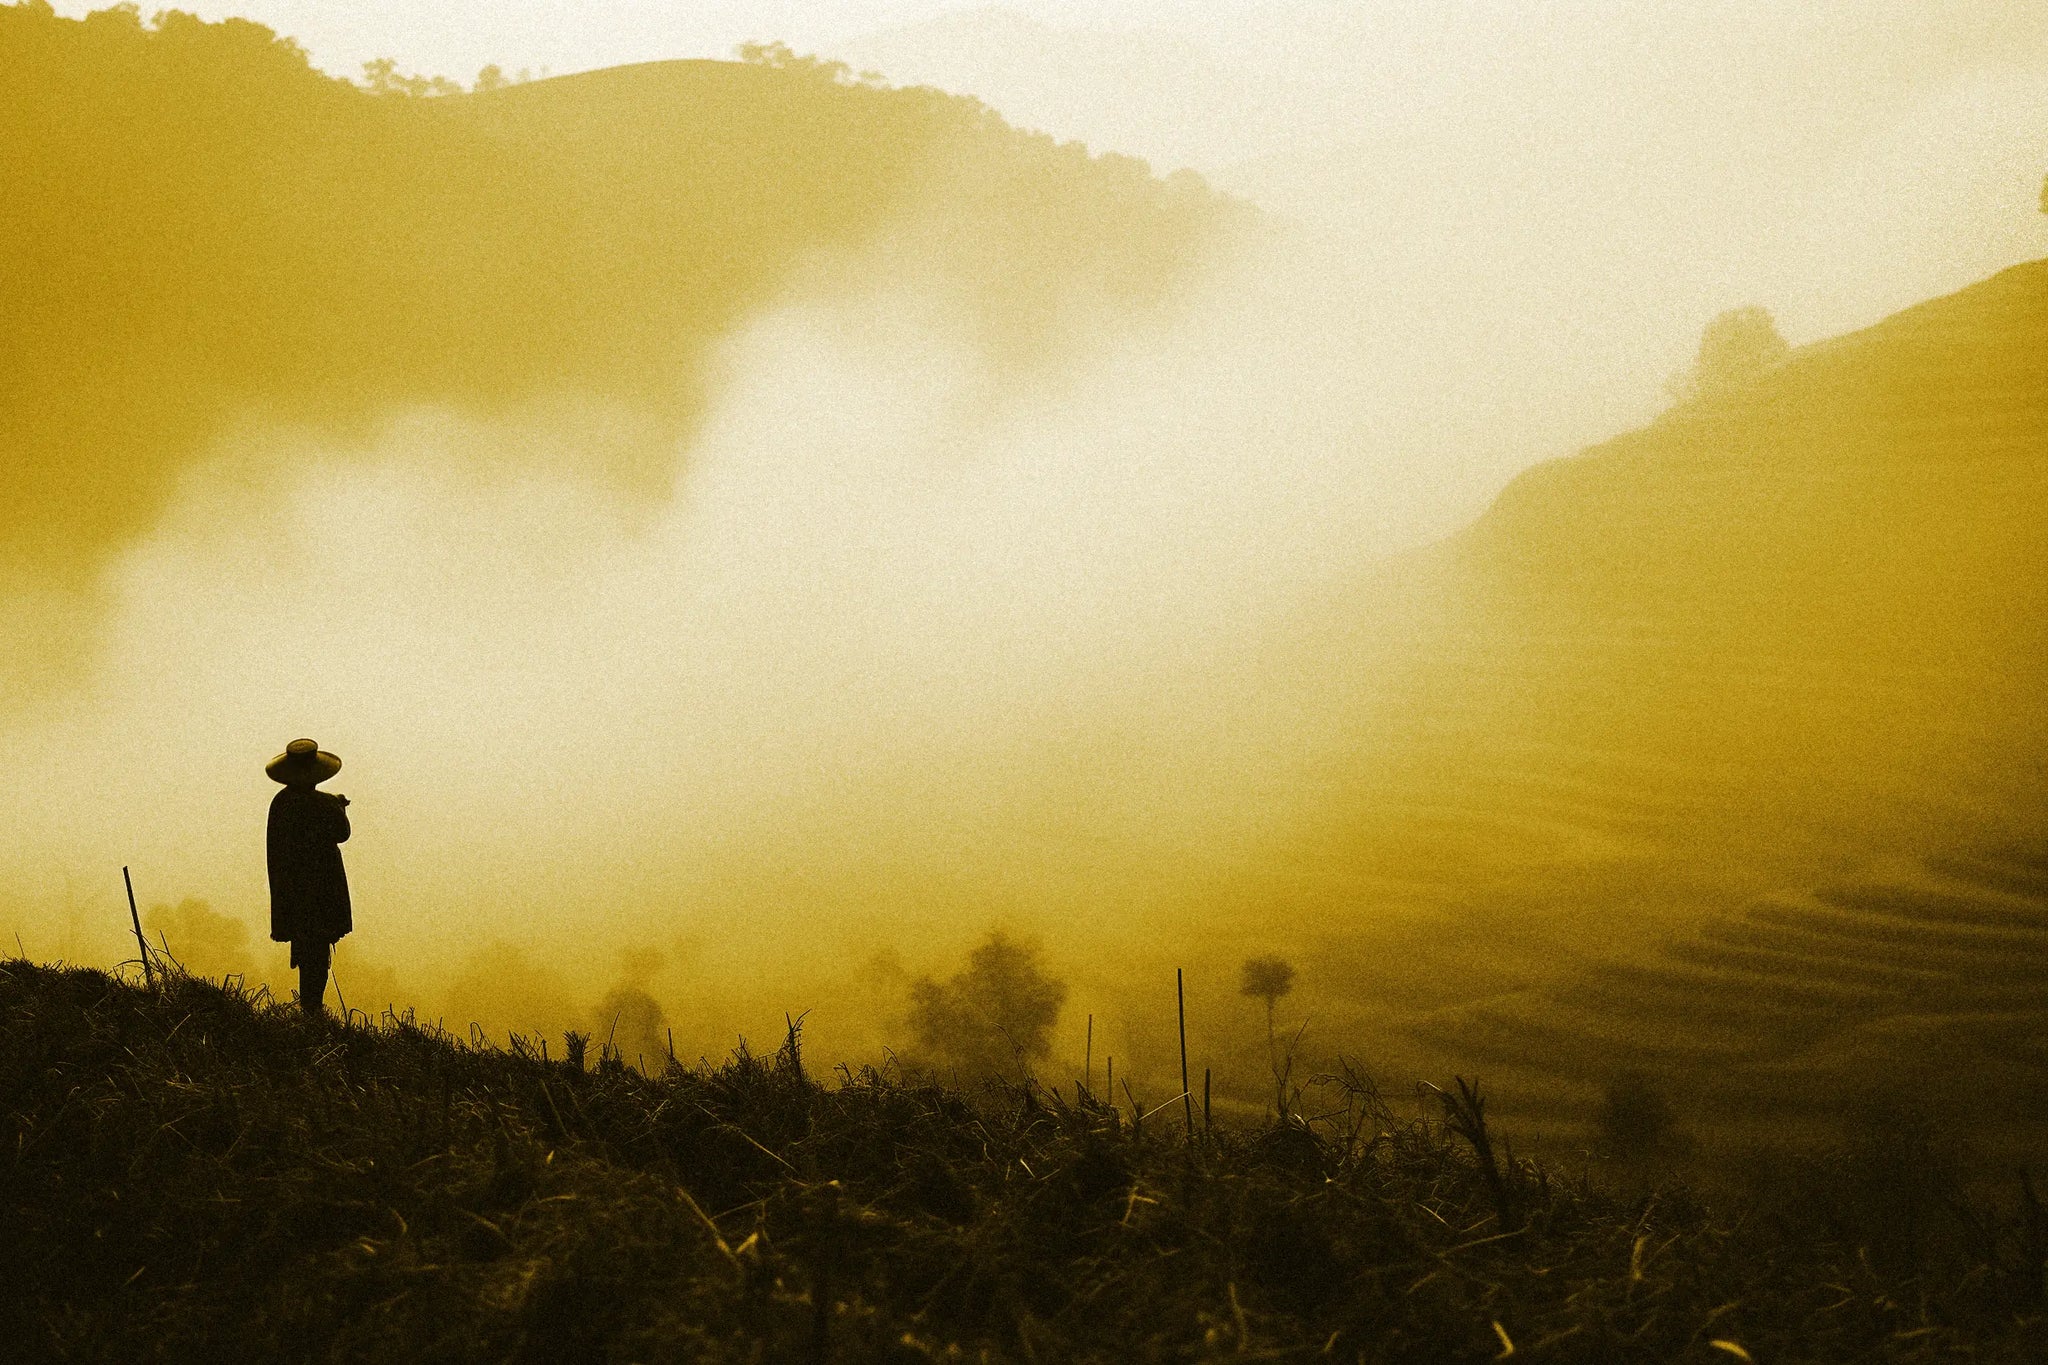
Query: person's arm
point(338, 805)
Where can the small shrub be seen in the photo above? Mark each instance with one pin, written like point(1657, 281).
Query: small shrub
point(200, 938)
point(634, 1027)
point(1635, 1120)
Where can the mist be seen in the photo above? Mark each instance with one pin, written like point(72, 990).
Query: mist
point(911, 650)
point(944, 596)
point(1558, 197)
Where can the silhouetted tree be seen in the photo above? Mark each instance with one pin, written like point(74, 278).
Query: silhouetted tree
point(491, 77)
point(780, 57)
point(381, 77)
point(1735, 348)
point(1267, 979)
point(993, 1019)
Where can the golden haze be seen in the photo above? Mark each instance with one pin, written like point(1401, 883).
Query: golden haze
point(747, 532)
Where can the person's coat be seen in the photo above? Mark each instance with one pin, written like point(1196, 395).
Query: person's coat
point(308, 888)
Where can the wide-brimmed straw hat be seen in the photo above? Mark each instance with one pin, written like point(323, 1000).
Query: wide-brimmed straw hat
point(302, 761)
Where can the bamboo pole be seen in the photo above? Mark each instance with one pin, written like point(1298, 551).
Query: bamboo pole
point(1180, 1000)
point(134, 918)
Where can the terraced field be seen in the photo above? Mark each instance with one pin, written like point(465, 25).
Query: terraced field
point(1924, 985)
point(1727, 762)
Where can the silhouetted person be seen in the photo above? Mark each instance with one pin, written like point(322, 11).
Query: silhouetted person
point(309, 906)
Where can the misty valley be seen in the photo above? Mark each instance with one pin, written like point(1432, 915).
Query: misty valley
point(957, 748)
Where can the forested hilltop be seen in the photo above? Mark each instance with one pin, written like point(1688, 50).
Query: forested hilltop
point(200, 227)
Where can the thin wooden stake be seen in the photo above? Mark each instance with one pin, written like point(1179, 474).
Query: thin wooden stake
point(1088, 1059)
point(347, 1017)
point(1180, 1000)
point(1205, 1100)
point(134, 918)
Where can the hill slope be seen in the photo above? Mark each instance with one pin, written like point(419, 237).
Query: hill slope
point(192, 1174)
point(200, 230)
point(1771, 646)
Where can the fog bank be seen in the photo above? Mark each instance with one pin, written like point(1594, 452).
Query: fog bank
point(912, 650)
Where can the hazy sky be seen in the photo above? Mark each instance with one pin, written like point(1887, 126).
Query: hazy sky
point(1312, 64)
point(455, 37)
point(1833, 160)
point(1325, 46)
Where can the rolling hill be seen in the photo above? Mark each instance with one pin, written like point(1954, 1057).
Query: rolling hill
point(1725, 758)
point(201, 231)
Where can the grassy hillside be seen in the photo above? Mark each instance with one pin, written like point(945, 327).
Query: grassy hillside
point(202, 230)
point(1778, 651)
point(1818, 603)
point(1918, 988)
point(192, 1173)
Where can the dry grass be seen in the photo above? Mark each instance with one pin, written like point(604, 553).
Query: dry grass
point(195, 1173)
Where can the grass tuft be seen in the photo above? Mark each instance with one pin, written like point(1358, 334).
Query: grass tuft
point(194, 1171)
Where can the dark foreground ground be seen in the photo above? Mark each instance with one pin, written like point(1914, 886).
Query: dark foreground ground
point(192, 1174)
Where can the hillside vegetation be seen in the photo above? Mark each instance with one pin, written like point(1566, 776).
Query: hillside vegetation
point(1723, 760)
point(201, 229)
point(192, 1172)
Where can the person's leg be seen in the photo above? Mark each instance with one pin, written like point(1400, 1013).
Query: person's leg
point(313, 962)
